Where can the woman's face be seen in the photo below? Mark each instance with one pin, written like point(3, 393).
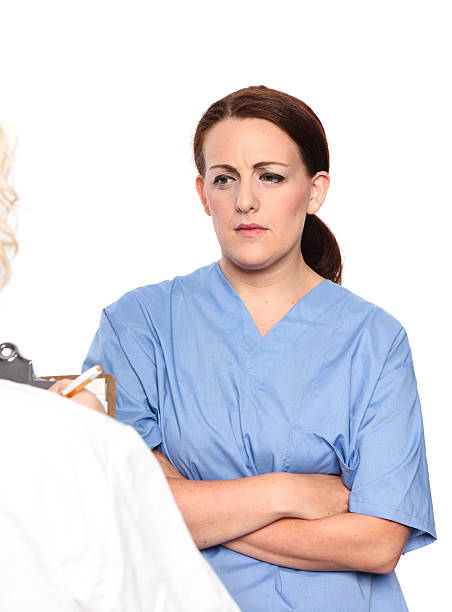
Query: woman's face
point(255, 176)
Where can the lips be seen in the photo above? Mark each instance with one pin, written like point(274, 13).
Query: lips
point(249, 227)
point(250, 230)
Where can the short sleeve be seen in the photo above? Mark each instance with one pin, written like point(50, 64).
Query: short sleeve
point(391, 479)
point(125, 349)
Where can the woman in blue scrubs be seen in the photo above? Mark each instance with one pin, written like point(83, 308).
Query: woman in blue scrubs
point(282, 407)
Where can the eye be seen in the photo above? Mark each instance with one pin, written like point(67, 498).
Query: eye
point(222, 179)
point(269, 177)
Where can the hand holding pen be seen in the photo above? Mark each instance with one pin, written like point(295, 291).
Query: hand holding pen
point(75, 390)
point(81, 381)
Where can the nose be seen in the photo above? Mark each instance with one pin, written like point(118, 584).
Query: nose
point(246, 197)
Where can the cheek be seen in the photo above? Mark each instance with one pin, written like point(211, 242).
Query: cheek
point(222, 217)
point(221, 204)
point(290, 210)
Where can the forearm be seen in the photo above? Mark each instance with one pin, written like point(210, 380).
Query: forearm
point(343, 542)
point(218, 511)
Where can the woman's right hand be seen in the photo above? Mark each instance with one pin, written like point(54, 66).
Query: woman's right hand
point(315, 496)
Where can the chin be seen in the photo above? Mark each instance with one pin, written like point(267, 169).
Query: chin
point(249, 261)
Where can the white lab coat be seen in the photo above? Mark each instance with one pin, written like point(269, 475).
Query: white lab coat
point(87, 520)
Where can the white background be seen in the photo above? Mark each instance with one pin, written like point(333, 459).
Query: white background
point(104, 98)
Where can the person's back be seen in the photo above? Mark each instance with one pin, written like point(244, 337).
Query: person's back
point(87, 520)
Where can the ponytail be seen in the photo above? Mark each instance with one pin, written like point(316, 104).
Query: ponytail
point(320, 249)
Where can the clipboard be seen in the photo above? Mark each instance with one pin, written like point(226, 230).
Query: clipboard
point(15, 367)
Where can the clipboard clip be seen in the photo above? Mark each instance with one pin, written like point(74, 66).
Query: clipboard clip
point(15, 367)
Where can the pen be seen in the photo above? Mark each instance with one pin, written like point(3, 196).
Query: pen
point(81, 381)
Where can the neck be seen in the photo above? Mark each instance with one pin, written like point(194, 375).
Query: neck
point(287, 279)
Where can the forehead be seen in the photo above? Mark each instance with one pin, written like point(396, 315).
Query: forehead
point(255, 140)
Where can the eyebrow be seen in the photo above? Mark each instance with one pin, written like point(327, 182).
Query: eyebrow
point(258, 165)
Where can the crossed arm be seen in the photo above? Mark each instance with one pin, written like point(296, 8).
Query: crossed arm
point(299, 521)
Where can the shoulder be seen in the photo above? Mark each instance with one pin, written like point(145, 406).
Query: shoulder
point(367, 324)
point(42, 408)
point(81, 438)
point(364, 312)
point(156, 297)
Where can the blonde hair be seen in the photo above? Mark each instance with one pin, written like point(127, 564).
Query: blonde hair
point(8, 197)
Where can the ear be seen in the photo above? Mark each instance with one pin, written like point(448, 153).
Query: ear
point(202, 194)
point(319, 189)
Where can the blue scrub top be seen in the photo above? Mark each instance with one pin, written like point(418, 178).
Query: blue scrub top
point(330, 389)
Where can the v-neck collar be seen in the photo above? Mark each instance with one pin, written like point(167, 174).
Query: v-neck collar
point(294, 322)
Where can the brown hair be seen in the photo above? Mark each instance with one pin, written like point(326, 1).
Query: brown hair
point(318, 245)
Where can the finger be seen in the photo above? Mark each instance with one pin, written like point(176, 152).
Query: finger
point(60, 385)
point(54, 388)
